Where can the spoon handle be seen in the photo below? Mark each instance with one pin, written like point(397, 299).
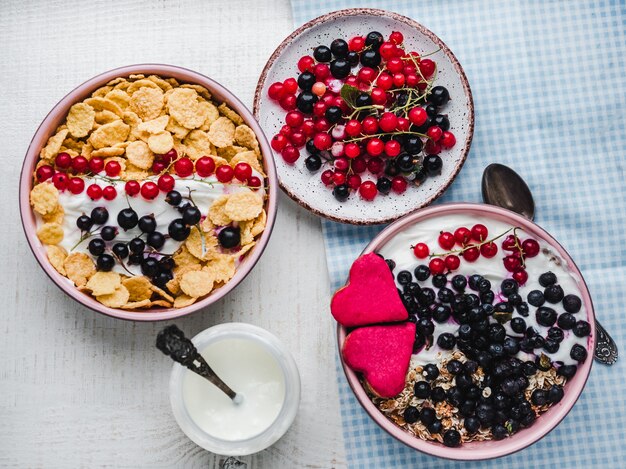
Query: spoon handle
point(606, 348)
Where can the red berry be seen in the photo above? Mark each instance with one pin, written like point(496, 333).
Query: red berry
point(158, 167)
point(80, 164)
point(319, 108)
point(44, 172)
point(358, 165)
point(306, 63)
point(452, 262)
point(530, 247)
point(352, 150)
point(298, 139)
point(132, 188)
point(113, 169)
point(427, 67)
point(396, 37)
point(379, 96)
point(368, 190)
point(149, 190)
point(322, 124)
point(294, 119)
point(288, 102)
point(63, 161)
point(60, 181)
point(392, 148)
point(322, 141)
point(437, 266)
point(308, 127)
point(339, 178)
point(94, 191)
point(341, 164)
point(511, 263)
point(166, 182)
point(387, 50)
point(370, 125)
point(205, 166)
point(183, 167)
point(290, 154)
point(384, 81)
point(254, 182)
point(412, 80)
point(353, 128)
point(276, 91)
point(520, 276)
point(109, 193)
point(448, 140)
point(225, 173)
point(352, 81)
point(76, 185)
point(327, 177)
point(395, 65)
point(278, 142)
point(375, 165)
point(388, 122)
point(170, 156)
point(375, 146)
point(479, 232)
point(462, 236)
point(403, 124)
point(243, 171)
point(489, 250)
point(321, 71)
point(291, 85)
point(446, 240)
point(398, 184)
point(421, 251)
point(367, 74)
point(434, 133)
point(356, 44)
point(510, 242)
point(432, 148)
point(318, 89)
point(418, 116)
point(471, 254)
point(354, 181)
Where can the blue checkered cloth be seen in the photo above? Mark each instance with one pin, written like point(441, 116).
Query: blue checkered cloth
point(549, 86)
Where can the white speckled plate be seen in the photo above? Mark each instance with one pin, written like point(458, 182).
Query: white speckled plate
point(307, 188)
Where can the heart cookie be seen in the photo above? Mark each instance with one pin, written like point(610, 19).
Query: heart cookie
point(382, 354)
point(370, 296)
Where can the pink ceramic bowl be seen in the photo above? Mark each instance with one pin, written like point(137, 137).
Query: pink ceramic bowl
point(56, 116)
point(547, 421)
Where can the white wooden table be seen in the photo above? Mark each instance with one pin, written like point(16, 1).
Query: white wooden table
point(82, 390)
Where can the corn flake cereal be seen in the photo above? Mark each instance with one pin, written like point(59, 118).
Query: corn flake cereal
point(217, 211)
point(109, 134)
point(53, 146)
point(184, 300)
point(139, 154)
point(147, 102)
point(139, 288)
point(44, 198)
point(103, 104)
point(243, 206)
point(184, 106)
point(56, 256)
point(161, 143)
point(117, 299)
point(222, 132)
point(50, 233)
point(79, 267)
point(222, 268)
point(245, 136)
point(154, 126)
point(228, 112)
point(80, 119)
point(197, 283)
point(104, 283)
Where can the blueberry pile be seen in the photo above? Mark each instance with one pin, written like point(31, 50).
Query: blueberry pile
point(491, 339)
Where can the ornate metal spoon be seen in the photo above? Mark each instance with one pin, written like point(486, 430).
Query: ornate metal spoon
point(505, 188)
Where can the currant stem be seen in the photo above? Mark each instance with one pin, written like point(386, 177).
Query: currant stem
point(470, 246)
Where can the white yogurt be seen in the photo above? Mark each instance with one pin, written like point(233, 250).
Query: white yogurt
point(252, 372)
point(427, 231)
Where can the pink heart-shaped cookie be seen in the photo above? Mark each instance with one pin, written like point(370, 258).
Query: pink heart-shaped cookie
point(382, 354)
point(370, 296)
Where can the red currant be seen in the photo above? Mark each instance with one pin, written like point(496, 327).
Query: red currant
point(388, 122)
point(427, 67)
point(183, 167)
point(446, 240)
point(354, 181)
point(403, 124)
point(94, 192)
point(113, 169)
point(530, 247)
point(224, 173)
point(290, 154)
point(384, 81)
point(109, 193)
point(132, 188)
point(421, 251)
point(322, 124)
point(321, 71)
point(434, 133)
point(294, 119)
point(510, 243)
point(370, 125)
point(367, 74)
point(319, 108)
point(322, 141)
point(276, 91)
point(76, 185)
point(375, 146)
point(520, 276)
point(356, 44)
point(437, 266)
point(278, 142)
point(412, 80)
point(254, 182)
point(358, 165)
point(80, 164)
point(471, 254)
point(418, 116)
point(479, 232)
point(205, 166)
point(149, 190)
point(339, 178)
point(306, 63)
point(396, 37)
point(353, 128)
point(368, 190)
point(288, 102)
point(395, 65)
point(375, 165)
point(63, 161)
point(398, 184)
point(511, 263)
point(158, 167)
point(489, 250)
point(96, 164)
point(448, 140)
point(298, 139)
point(44, 172)
point(379, 96)
point(170, 156)
point(308, 127)
point(60, 181)
point(166, 182)
point(462, 236)
point(432, 148)
point(327, 177)
point(243, 171)
point(387, 50)
point(341, 164)
point(352, 150)
point(452, 262)
point(291, 85)
point(392, 148)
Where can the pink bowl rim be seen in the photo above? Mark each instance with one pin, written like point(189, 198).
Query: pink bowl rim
point(478, 450)
point(55, 116)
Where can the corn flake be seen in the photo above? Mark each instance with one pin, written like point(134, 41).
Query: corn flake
point(154, 126)
point(117, 299)
point(222, 268)
point(228, 112)
point(197, 283)
point(139, 154)
point(104, 283)
point(109, 134)
point(53, 146)
point(222, 132)
point(108, 152)
point(79, 267)
point(139, 288)
point(103, 104)
point(80, 119)
point(56, 256)
point(184, 300)
point(44, 198)
point(198, 144)
point(134, 86)
point(201, 90)
point(177, 130)
point(217, 213)
point(184, 106)
point(245, 136)
point(243, 206)
point(119, 97)
point(147, 102)
point(161, 143)
point(50, 233)
point(201, 245)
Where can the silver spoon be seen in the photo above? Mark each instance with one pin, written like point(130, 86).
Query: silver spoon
point(505, 188)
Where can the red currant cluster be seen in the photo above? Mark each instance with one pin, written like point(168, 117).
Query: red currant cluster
point(382, 118)
point(520, 250)
point(66, 172)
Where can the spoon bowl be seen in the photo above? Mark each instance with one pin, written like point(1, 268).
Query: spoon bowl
point(505, 188)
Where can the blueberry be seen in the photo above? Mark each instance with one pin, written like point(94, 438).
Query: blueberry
point(439, 96)
point(411, 414)
point(108, 233)
point(538, 341)
point(459, 282)
point(428, 415)
point(527, 420)
point(191, 215)
point(508, 286)
point(340, 68)
point(426, 296)
point(539, 397)
point(555, 393)
point(511, 346)
point(120, 250)
point(545, 316)
point(404, 277)
point(551, 346)
point(465, 331)
point(454, 395)
point(127, 218)
point(413, 145)
point(471, 424)
point(487, 297)
point(442, 122)
point(547, 279)
point(96, 246)
point(374, 39)
point(322, 54)
point(446, 341)
point(313, 162)
point(433, 165)
point(454, 367)
point(147, 224)
point(571, 303)
point(370, 58)
point(341, 192)
point(426, 327)
point(422, 272)
point(467, 408)
point(515, 299)
point(578, 353)
point(535, 298)
point(496, 350)
point(553, 293)
point(421, 389)
point(339, 48)
point(441, 313)
point(174, 198)
point(464, 381)
point(150, 267)
point(84, 223)
point(499, 432)
point(582, 329)
point(529, 368)
point(522, 309)
point(566, 321)
point(518, 325)
point(419, 342)
point(305, 102)
point(435, 427)
point(485, 413)
point(99, 215)
point(470, 366)
point(105, 262)
point(484, 285)
point(383, 185)
point(136, 245)
point(473, 281)
point(391, 264)
point(431, 371)
point(567, 371)
point(497, 333)
point(555, 334)
point(438, 394)
point(503, 307)
point(353, 58)
point(178, 230)
point(229, 237)
point(156, 239)
point(413, 289)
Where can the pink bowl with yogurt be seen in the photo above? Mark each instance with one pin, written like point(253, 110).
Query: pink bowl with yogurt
point(546, 421)
point(58, 114)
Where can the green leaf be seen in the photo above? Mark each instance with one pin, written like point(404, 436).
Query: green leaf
point(349, 94)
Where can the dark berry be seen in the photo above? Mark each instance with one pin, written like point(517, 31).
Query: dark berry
point(127, 218)
point(459, 282)
point(471, 424)
point(515, 299)
point(162, 278)
point(496, 350)
point(422, 389)
point(150, 267)
point(485, 413)
point(547, 279)
point(428, 415)
point(136, 245)
point(454, 366)
point(430, 371)
point(192, 215)
point(99, 215)
point(413, 145)
point(435, 427)
point(567, 371)
point(473, 281)
point(120, 250)
point(529, 368)
point(511, 346)
point(96, 246)
point(404, 277)
point(555, 334)
point(439, 96)
point(571, 303)
point(535, 298)
point(374, 39)
point(411, 414)
point(339, 48)
point(353, 58)
point(370, 58)
point(425, 326)
point(582, 329)
point(484, 285)
point(84, 223)
point(431, 110)
point(341, 192)
point(305, 102)
point(441, 313)
point(178, 230)
point(405, 163)
point(553, 293)
point(156, 239)
point(108, 233)
point(518, 325)
point(551, 346)
point(322, 54)
point(391, 168)
point(497, 333)
point(306, 80)
point(166, 263)
point(105, 262)
point(539, 397)
point(433, 165)
point(508, 286)
point(363, 99)
point(438, 394)
point(499, 432)
point(422, 272)
point(487, 297)
point(522, 309)
point(173, 198)
point(578, 353)
point(391, 264)
point(446, 341)
point(566, 321)
point(439, 280)
point(229, 237)
point(546, 316)
point(340, 68)
point(555, 393)
point(426, 297)
point(383, 185)
point(313, 162)
point(136, 259)
point(442, 122)
point(147, 224)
